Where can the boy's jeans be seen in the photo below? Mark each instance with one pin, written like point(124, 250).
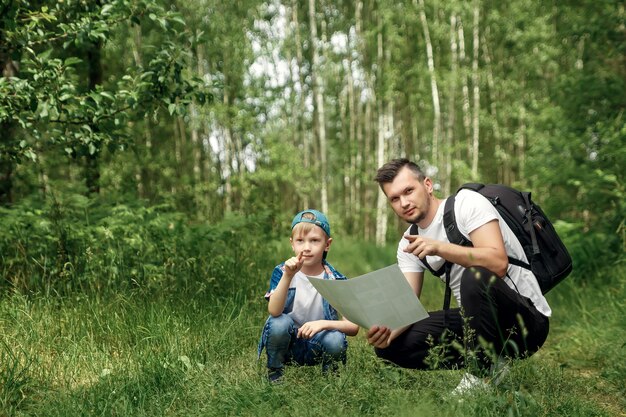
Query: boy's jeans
point(282, 345)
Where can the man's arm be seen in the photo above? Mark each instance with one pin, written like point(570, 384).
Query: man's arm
point(380, 336)
point(415, 280)
point(488, 250)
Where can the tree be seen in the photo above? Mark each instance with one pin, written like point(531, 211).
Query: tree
point(46, 102)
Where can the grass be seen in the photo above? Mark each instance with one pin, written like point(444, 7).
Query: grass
point(133, 355)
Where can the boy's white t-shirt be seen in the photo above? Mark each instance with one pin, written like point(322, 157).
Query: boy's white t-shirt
point(472, 210)
point(307, 304)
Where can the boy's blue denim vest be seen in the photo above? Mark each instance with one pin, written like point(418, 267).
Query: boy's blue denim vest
point(329, 312)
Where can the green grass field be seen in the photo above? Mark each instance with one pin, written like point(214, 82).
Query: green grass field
point(138, 355)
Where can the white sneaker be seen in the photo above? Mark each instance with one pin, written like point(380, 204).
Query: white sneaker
point(499, 370)
point(469, 384)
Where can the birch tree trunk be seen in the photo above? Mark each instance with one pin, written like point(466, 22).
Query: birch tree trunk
point(521, 143)
point(227, 171)
point(465, 88)
point(381, 203)
point(493, 108)
point(344, 122)
point(368, 195)
point(360, 161)
point(352, 175)
point(475, 83)
point(447, 185)
point(196, 123)
point(433, 84)
point(319, 105)
point(302, 132)
point(182, 147)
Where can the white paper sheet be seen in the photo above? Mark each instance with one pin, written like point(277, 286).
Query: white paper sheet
point(382, 297)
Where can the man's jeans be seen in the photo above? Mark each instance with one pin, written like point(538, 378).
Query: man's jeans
point(283, 346)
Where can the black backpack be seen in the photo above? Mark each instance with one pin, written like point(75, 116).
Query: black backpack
point(547, 255)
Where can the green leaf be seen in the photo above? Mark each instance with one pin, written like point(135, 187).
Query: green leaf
point(106, 9)
point(31, 155)
point(72, 61)
point(107, 95)
point(43, 112)
point(179, 19)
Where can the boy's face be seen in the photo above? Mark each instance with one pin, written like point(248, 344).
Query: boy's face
point(312, 244)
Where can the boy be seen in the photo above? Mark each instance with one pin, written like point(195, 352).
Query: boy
point(302, 327)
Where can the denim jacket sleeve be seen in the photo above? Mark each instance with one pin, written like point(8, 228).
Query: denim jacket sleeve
point(277, 274)
point(330, 273)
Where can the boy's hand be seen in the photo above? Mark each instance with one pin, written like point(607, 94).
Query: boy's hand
point(378, 336)
point(310, 329)
point(293, 265)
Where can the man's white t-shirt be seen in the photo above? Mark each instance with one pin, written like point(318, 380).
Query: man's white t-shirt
point(307, 304)
point(472, 210)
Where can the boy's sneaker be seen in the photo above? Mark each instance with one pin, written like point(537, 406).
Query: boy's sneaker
point(275, 375)
point(331, 368)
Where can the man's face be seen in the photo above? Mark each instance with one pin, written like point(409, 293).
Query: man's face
point(409, 197)
point(312, 245)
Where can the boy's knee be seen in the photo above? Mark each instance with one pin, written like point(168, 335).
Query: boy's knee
point(280, 325)
point(334, 343)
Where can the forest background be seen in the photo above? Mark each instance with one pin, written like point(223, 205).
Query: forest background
point(152, 155)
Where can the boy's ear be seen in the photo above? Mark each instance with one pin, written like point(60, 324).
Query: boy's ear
point(328, 242)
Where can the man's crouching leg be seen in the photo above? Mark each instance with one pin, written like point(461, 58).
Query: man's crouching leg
point(427, 344)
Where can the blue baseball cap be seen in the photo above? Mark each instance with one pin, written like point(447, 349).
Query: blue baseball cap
point(312, 216)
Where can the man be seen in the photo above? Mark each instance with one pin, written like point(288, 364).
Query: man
point(502, 304)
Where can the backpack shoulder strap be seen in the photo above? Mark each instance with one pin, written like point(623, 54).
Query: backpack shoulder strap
point(440, 271)
point(445, 269)
point(449, 221)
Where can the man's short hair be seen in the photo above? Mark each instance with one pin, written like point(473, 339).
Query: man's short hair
point(388, 172)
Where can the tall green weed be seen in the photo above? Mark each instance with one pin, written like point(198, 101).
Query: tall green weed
point(76, 244)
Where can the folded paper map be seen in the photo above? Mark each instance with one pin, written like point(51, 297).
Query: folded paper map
point(382, 297)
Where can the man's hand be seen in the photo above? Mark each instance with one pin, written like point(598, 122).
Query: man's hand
point(422, 246)
point(310, 329)
point(293, 265)
point(379, 336)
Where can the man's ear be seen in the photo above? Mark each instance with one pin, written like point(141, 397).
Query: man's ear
point(428, 183)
